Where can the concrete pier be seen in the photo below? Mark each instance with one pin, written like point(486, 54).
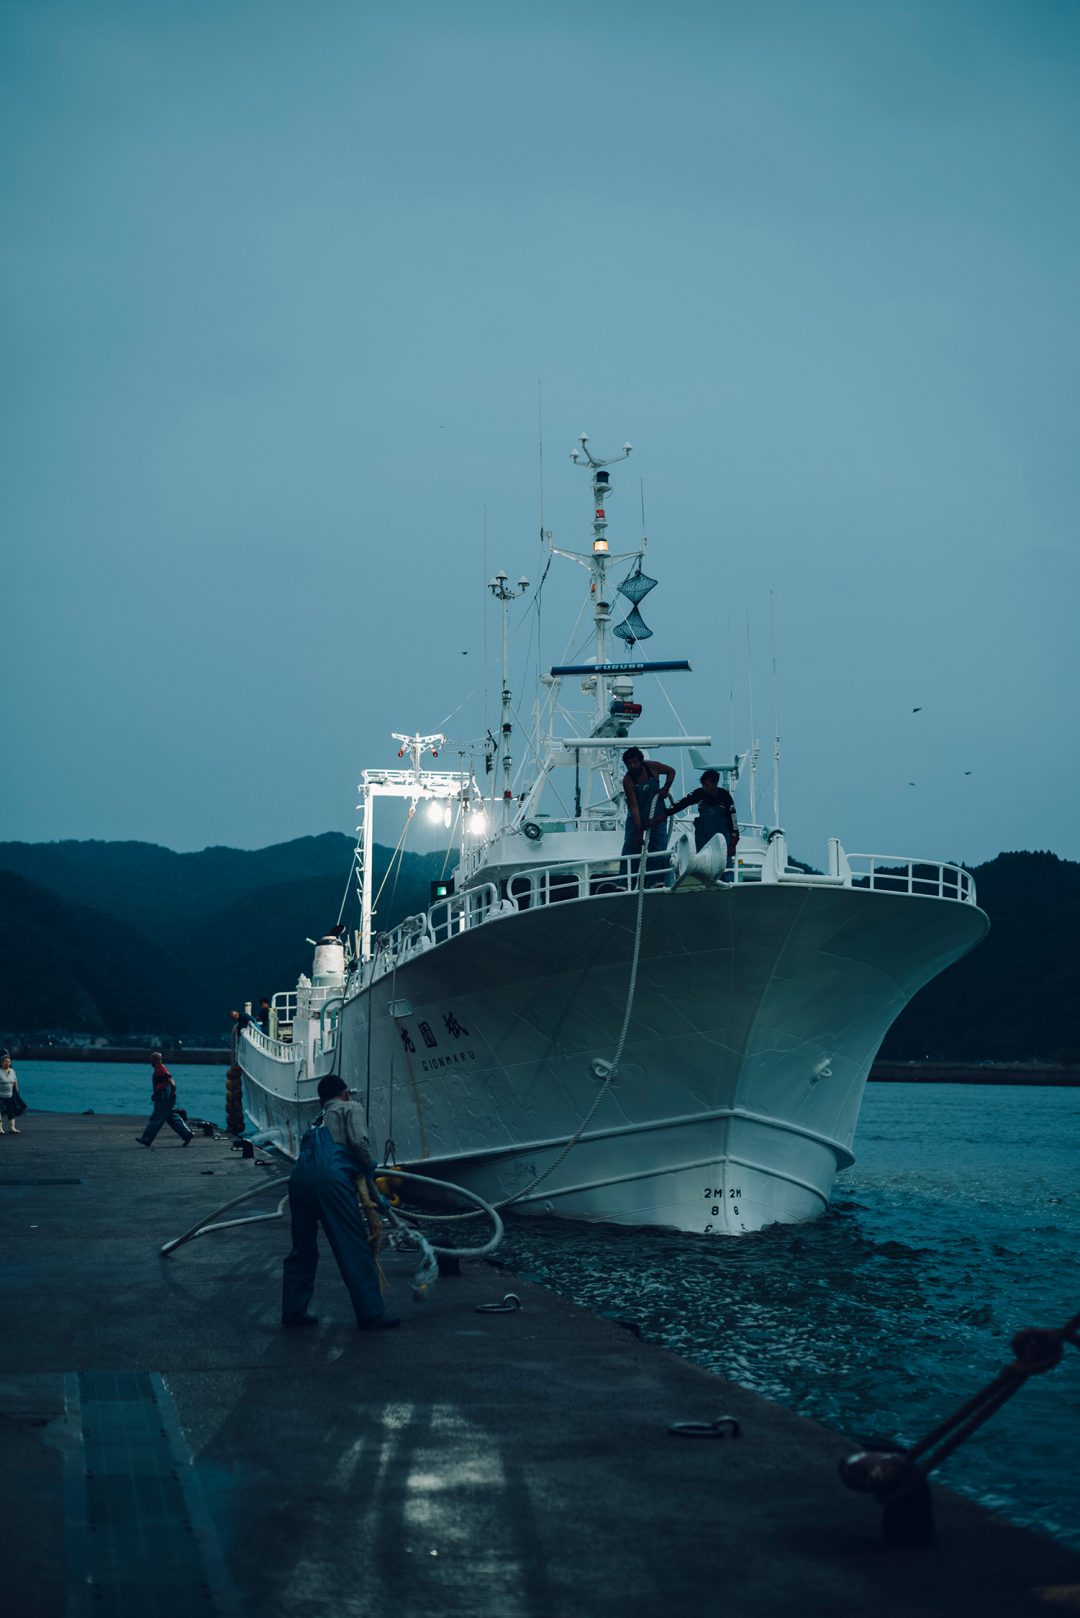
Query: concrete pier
point(167, 1449)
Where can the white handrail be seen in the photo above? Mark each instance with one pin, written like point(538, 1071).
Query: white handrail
point(538, 886)
point(903, 873)
point(280, 1048)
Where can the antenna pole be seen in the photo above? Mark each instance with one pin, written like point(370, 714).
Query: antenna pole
point(540, 439)
point(753, 740)
point(540, 442)
point(483, 576)
point(506, 722)
point(365, 863)
point(504, 594)
point(731, 686)
point(776, 717)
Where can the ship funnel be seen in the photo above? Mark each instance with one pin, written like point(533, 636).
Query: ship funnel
point(329, 968)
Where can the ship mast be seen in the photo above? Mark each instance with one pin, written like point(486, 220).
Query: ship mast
point(598, 562)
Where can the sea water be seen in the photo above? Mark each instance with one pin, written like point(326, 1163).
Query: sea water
point(119, 1087)
point(958, 1225)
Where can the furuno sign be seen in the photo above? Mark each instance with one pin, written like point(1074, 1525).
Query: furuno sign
point(617, 668)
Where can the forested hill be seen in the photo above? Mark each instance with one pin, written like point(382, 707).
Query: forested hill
point(130, 938)
point(1016, 997)
point(118, 938)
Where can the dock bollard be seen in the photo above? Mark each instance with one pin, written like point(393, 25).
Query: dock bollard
point(901, 1490)
point(234, 1101)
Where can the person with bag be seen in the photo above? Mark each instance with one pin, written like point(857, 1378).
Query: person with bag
point(12, 1104)
point(163, 1101)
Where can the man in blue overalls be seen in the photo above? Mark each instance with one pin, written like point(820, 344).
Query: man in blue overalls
point(715, 812)
point(322, 1190)
point(645, 785)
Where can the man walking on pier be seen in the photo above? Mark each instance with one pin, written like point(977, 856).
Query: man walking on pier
point(322, 1191)
point(164, 1105)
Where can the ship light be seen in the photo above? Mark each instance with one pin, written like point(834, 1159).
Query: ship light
point(478, 822)
point(446, 818)
point(435, 811)
point(600, 545)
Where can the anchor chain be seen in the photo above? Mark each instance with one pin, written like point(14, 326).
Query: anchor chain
point(897, 1478)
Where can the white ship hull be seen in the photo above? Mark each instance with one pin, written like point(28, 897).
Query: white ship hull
point(757, 1013)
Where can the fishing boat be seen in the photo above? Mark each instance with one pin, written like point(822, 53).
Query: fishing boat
point(672, 1038)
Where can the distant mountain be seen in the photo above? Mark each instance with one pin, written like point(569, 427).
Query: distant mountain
point(1016, 997)
point(67, 966)
point(128, 937)
point(118, 938)
point(145, 884)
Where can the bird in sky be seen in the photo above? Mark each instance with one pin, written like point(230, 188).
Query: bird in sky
point(911, 783)
point(916, 710)
point(967, 772)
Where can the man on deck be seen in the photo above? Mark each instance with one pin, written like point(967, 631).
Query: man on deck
point(715, 812)
point(645, 785)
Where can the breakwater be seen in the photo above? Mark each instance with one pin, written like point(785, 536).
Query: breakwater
point(179, 1055)
point(1054, 1073)
point(974, 1073)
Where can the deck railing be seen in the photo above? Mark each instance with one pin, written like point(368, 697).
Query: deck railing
point(928, 879)
point(544, 885)
point(279, 1047)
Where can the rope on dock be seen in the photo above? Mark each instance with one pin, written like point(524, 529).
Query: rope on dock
point(205, 1224)
point(427, 1272)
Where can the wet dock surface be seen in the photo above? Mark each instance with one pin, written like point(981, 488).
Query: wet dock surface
point(167, 1449)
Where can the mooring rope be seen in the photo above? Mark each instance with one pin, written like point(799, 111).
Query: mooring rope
point(599, 1065)
point(608, 1071)
point(1037, 1349)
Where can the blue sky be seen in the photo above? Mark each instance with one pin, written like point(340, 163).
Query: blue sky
point(279, 286)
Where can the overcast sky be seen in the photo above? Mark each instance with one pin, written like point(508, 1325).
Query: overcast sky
point(280, 282)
